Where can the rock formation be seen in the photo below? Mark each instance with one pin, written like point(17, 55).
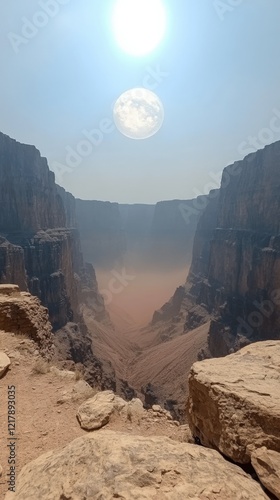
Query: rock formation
point(116, 465)
point(39, 246)
point(267, 465)
point(234, 402)
point(95, 412)
point(241, 283)
point(102, 237)
point(155, 237)
point(21, 313)
point(40, 252)
point(234, 276)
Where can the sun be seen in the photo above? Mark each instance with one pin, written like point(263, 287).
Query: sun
point(139, 25)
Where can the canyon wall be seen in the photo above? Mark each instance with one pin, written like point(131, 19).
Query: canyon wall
point(235, 273)
point(243, 285)
point(102, 236)
point(151, 237)
point(233, 286)
point(39, 245)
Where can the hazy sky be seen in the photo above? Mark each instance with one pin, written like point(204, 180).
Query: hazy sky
point(216, 72)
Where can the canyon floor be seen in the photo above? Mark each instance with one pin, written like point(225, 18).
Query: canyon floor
point(135, 348)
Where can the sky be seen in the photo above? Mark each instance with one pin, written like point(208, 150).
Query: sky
point(216, 72)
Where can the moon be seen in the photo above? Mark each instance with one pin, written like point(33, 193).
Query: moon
point(139, 25)
point(138, 113)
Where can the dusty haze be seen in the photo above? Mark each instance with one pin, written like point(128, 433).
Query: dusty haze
point(133, 306)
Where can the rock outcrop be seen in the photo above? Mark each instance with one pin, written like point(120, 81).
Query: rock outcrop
point(115, 465)
point(22, 313)
point(267, 465)
point(96, 412)
point(234, 402)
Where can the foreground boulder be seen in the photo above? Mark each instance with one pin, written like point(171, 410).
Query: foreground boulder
point(96, 412)
point(4, 363)
point(267, 465)
point(106, 465)
point(234, 402)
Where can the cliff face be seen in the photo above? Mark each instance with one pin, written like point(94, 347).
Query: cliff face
point(39, 245)
point(241, 282)
point(29, 199)
point(172, 233)
point(144, 236)
point(185, 310)
point(235, 273)
point(102, 237)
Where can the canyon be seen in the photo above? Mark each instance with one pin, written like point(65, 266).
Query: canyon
point(81, 279)
point(102, 269)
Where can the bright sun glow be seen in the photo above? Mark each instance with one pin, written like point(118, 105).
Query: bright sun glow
point(139, 25)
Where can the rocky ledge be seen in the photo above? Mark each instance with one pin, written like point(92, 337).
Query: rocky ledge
point(234, 407)
point(106, 465)
point(22, 313)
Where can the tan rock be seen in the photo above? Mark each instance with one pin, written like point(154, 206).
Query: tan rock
point(106, 465)
point(234, 402)
point(80, 390)
point(96, 412)
point(4, 363)
point(1, 471)
point(21, 313)
point(267, 465)
point(63, 374)
point(134, 410)
point(9, 290)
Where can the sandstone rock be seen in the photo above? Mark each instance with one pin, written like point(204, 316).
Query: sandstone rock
point(4, 363)
point(267, 465)
point(134, 410)
point(23, 314)
point(96, 412)
point(234, 402)
point(9, 290)
point(81, 390)
point(1, 471)
point(106, 465)
point(63, 374)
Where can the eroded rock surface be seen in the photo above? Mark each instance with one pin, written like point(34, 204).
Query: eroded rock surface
point(234, 402)
point(21, 313)
point(267, 465)
point(107, 465)
point(95, 412)
point(4, 363)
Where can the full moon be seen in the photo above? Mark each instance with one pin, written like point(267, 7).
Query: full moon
point(138, 113)
point(139, 25)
